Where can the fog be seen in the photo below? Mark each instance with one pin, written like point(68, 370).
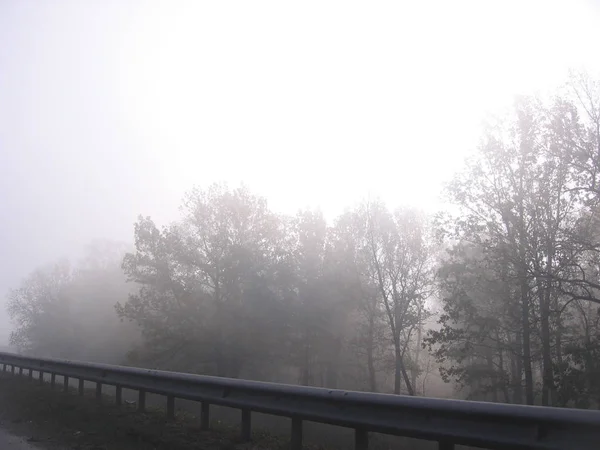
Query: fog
point(112, 110)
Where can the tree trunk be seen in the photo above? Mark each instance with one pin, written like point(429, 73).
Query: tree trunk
point(548, 388)
point(306, 376)
point(525, 307)
point(370, 350)
point(400, 372)
point(332, 365)
point(559, 357)
point(522, 271)
point(515, 381)
point(548, 373)
point(493, 376)
point(415, 370)
point(397, 373)
point(517, 364)
point(503, 374)
point(590, 372)
point(526, 340)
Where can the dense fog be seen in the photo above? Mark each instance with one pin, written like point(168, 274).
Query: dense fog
point(317, 202)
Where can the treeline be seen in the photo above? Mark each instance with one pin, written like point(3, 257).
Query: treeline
point(233, 289)
point(500, 296)
point(236, 290)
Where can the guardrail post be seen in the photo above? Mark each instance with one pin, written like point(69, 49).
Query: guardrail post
point(205, 416)
point(141, 400)
point(98, 391)
point(445, 445)
point(13, 368)
point(296, 439)
point(170, 407)
point(119, 395)
point(361, 439)
point(65, 383)
point(52, 380)
point(41, 378)
point(20, 371)
point(31, 374)
point(80, 387)
point(246, 425)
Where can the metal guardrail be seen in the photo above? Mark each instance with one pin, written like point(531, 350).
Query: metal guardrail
point(449, 422)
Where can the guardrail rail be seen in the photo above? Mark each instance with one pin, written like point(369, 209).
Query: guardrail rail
point(449, 422)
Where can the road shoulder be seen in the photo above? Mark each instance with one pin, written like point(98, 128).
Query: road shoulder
point(54, 420)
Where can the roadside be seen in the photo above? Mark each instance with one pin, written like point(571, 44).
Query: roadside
point(8, 440)
point(50, 419)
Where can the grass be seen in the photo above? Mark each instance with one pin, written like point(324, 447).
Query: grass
point(53, 419)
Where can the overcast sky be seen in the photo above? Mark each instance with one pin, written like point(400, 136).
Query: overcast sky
point(110, 109)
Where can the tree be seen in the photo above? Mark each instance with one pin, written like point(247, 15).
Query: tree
point(400, 266)
point(478, 344)
point(203, 280)
point(369, 340)
point(522, 206)
point(317, 337)
point(68, 312)
point(38, 309)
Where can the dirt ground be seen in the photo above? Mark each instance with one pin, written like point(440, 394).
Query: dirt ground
point(51, 419)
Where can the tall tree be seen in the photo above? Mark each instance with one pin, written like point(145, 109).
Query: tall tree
point(400, 261)
point(520, 198)
point(201, 278)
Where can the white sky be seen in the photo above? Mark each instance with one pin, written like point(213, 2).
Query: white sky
point(109, 109)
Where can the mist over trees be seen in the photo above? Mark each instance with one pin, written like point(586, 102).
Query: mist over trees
point(235, 290)
point(67, 311)
point(519, 288)
point(500, 295)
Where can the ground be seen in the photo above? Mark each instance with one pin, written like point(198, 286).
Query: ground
point(51, 419)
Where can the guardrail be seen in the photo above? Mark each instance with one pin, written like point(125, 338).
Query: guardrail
point(449, 422)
